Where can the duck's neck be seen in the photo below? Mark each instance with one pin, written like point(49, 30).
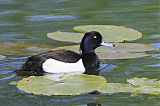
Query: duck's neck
point(87, 49)
point(90, 61)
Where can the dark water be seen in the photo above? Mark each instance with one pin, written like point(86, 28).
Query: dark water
point(31, 20)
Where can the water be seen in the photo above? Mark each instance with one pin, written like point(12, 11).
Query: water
point(29, 21)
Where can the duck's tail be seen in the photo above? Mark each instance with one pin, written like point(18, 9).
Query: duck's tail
point(21, 72)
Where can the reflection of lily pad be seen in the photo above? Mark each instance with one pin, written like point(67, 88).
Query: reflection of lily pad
point(66, 36)
point(67, 85)
point(111, 33)
point(121, 51)
point(22, 48)
point(2, 57)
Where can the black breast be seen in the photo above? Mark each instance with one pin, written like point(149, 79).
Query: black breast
point(33, 65)
point(91, 62)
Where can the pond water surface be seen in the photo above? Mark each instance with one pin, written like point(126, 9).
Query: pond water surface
point(29, 21)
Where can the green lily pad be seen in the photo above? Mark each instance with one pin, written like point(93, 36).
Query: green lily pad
point(144, 82)
point(2, 57)
point(67, 85)
point(75, 84)
point(111, 88)
point(120, 51)
point(127, 47)
point(66, 36)
point(135, 86)
point(121, 55)
point(23, 48)
point(145, 86)
point(146, 90)
point(111, 33)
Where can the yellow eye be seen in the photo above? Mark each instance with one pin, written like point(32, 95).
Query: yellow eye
point(94, 37)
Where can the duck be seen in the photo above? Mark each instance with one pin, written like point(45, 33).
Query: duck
point(67, 61)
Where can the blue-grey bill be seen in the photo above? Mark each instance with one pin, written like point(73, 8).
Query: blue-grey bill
point(104, 43)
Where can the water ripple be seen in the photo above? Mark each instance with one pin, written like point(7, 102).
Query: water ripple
point(156, 36)
point(8, 12)
point(157, 45)
point(107, 67)
point(5, 2)
point(8, 24)
point(156, 55)
point(49, 17)
point(8, 77)
point(6, 72)
point(37, 49)
point(8, 67)
point(66, 100)
point(155, 65)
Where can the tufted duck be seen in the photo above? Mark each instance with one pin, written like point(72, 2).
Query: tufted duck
point(66, 61)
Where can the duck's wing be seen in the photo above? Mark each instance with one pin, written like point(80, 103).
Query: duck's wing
point(60, 55)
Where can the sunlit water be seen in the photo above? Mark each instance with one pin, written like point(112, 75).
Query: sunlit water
point(31, 20)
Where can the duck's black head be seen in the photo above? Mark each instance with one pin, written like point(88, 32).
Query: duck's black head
point(91, 41)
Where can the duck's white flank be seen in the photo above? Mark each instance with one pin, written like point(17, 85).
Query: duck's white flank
point(55, 66)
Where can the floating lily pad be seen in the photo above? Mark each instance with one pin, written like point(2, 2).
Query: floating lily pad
point(144, 82)
point(22, 48)
point(74, 84)
point(2, 57)
point(111, 88)
point(67, 85)
point(147, 90)
point(111, 33)
point(121, 51)
point(135, 86)
point(66, 36)
point(121, 55)
point(145, 85)
point(127, 47)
